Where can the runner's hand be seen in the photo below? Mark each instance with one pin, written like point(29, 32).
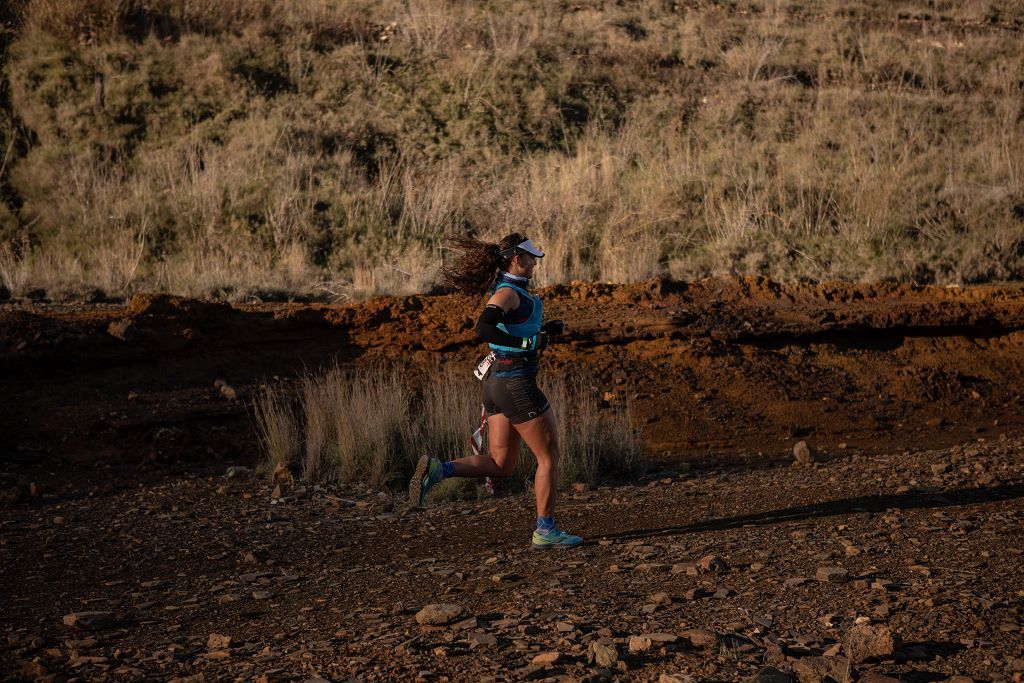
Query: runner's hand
point(553, 327)
point(536, 342)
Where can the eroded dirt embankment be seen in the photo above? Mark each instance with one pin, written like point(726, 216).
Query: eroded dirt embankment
point(724, 367)
point(699, 572)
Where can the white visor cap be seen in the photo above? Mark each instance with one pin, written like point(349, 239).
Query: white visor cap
point(529, 248)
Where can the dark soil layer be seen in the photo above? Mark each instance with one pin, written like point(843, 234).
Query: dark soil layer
point(898, 552)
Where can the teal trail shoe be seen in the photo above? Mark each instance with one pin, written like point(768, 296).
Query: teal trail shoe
point(556, 538)
point(427, 473)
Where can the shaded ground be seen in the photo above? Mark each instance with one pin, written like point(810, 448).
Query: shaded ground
point(114, 444)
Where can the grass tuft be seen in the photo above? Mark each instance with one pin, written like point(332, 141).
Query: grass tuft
point(371, 426)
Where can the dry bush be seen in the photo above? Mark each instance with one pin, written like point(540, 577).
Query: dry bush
point(358, 427)
point(371, 426)
point(277, 427)
point(594, 441)
point(314, 147)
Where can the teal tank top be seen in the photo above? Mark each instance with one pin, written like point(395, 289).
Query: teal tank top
point(527, 327)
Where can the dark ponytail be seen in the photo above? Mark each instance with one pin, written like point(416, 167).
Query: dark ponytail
point(477, 268)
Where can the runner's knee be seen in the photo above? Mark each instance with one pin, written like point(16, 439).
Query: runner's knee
point(506, 469)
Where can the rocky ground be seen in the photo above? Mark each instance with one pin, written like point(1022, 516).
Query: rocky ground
point(127, 553)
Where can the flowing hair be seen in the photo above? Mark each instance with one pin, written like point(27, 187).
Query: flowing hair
point(477, 268)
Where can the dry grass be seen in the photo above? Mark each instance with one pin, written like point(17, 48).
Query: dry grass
point(277, 428)
point(356, 427)
point(595, 441)
point(372, 426)
point(312, 147)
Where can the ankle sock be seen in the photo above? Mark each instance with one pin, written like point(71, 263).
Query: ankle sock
point(545, 524)
point(447, 469)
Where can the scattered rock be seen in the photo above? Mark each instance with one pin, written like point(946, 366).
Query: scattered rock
point(465, 624)
point(875, 677)
point(712, 564)
point(639, 644)
point(832, 575)
point(803, 453)
point(13, 488)
point(438, 614)
point(478, 640)
point(823, 670)
point(237, 471)
point(123, 329)
point(676, 678)
point(661, 599)
point(701, 638)
point(217, 641)
point(90, 621)
point(34, 669)
point(603, 653)
point(546, 658)
point(865, 641)
point(770, 674)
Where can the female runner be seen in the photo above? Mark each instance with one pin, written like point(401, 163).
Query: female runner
point(516, 408)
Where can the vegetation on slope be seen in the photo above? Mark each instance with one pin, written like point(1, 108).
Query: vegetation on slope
point(327, 147)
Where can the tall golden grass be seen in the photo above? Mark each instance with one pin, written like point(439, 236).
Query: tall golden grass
point(322, 148)
point(371, 426)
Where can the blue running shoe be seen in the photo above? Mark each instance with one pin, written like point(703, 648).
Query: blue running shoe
point(555, 538)
point(428, 472)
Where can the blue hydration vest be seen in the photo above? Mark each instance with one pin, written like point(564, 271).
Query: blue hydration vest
point(522, 328)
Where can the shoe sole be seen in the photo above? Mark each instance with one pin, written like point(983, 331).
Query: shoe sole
point(416, 483)
point(549, 546)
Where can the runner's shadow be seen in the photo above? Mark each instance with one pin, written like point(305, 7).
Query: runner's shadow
point(873, 504)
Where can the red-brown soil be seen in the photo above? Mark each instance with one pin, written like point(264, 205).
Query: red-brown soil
point(114, 440)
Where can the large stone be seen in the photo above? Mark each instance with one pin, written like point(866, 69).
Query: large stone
point(803, 453)
point(546, 658)
point(478, 640)
point(875, 677)
point(701, 638)
point(639, 644)
point(438, 614)
point(90, 621)
point(865, 641)
point(832, 575)
point(603, 653)
point(711, 564)
point(123, 329)
point(770, 674)
point(217, 641)
point(823, 670)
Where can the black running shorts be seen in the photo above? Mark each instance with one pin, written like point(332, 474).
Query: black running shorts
point(517, 398)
